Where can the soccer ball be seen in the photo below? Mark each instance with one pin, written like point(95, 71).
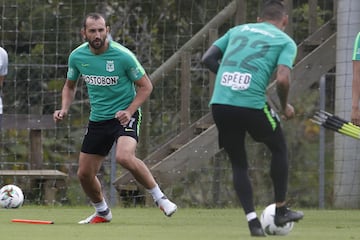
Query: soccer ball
point(268, 224)
point(11, 196)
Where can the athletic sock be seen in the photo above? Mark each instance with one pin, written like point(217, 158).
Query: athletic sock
point(251, 216)
point(104, 213)
point(156, 193)
point(101, 207)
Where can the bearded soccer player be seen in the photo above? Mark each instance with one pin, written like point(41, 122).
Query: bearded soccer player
point(117, 86)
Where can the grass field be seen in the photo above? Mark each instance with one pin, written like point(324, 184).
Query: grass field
point(186, 224)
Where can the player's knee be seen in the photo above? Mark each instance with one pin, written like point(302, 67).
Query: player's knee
point(125, 160)
point(83, 175)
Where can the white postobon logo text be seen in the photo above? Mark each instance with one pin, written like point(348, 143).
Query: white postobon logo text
point(101, 80)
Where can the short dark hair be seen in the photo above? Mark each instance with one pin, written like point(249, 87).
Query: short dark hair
point(93, 15)
point(273, 10)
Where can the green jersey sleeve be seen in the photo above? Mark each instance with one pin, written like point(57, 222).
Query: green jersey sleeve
point(223, 41)
point(73, 72)
point(356, 52)
point(133, 68)
point(288, 54)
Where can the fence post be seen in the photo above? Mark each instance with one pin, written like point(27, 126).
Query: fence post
point(289, 28)
point(36, 156)
point(213, 35)
point(185, 89)
point(144, 131)
point(322, 89)
point(113, 165)
point(312, 16)
point(240, 14)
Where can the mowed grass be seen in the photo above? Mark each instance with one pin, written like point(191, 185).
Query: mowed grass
point(186, 224)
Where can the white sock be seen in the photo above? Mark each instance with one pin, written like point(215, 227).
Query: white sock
point(250, 216)
point(100, 206)
point(156, 193)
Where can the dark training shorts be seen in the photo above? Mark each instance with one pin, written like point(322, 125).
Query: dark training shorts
point(263, 125)
point(100, 136)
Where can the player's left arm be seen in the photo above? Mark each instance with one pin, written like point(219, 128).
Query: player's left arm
point(144, 88)
point(283, 74)
point(282, 88)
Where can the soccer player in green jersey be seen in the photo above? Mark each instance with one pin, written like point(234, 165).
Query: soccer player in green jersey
point(355, 110)
point(117, 86)
point(244, 60)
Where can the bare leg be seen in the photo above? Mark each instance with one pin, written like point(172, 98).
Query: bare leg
point(89, 165)
point(125, 156)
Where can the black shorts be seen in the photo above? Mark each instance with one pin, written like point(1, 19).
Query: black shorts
point(100, 136)
point(233, 123)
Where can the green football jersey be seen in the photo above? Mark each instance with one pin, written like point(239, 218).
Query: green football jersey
point(251, 53)
point(109, 78)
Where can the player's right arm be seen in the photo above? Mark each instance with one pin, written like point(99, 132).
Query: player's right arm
point(68, 94)
point(355, 111)
point(69, 89)
point(211, 58)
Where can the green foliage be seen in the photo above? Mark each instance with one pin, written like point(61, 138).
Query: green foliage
point(55, 85)
point(301, 20)
point(16, 147)
point(74, 194)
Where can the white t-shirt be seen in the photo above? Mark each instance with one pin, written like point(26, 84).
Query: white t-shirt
point(3, 69)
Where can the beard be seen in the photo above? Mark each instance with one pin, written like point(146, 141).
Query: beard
point(97, 43)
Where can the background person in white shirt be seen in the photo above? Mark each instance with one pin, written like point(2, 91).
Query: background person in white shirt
point(3, 72)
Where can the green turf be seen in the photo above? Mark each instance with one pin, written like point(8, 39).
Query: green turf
point(186, 224)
